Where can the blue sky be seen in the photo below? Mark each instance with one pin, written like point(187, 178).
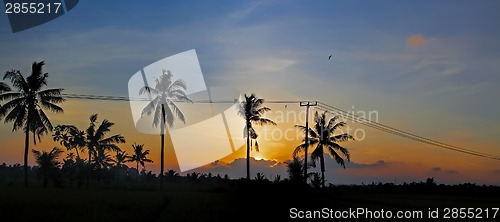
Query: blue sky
point(444, 88)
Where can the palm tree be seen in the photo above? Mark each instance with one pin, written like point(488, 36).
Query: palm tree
point(25, 107)
point(139, 156)
point(323, 137)
point(294, 169)
point(251, 110)
point(47, 161)
point(120, 159)
point(96, 137)
point(102, 159)
point(166, 92)
point(70, 137)
point(98, 144)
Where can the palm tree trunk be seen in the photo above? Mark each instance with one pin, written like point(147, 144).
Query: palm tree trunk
point(26, 148)
point(89, 167)
point(162, 162)
point(137, 177)
point(248, 153)
point(322, 159)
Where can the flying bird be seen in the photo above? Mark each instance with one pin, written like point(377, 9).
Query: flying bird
point(329, 57)
point(286, 106)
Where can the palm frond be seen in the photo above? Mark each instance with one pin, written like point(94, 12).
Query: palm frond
point(11, 95)
point(332, 121)
point(50, 92)
point(336, 126)
point(110, 147)
point(264, 121)
point(113, 139)
point(177, 111)
point(51, 106)
point(317, 152)
point(11, 104)
point(341, 137)
point(151, 106)
point(178, 84)
point(169, 116)
point(341, 149)
point(298, 149)
point(17, 80)
point(4, 87)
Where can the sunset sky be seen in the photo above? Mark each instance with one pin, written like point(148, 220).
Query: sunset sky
point(427, 67)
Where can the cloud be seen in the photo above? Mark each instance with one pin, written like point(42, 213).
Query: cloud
point(496, 172)
point(237, 168)
point(377, 164)
point(417, 40)
point(438, 170)
point(271, 168)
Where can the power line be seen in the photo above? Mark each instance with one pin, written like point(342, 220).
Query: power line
point(321, 106)
point(387, 129)
point(369, 122)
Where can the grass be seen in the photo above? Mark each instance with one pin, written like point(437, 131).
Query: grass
point(212, 203)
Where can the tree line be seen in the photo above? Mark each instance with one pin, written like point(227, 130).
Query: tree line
point(25, 102)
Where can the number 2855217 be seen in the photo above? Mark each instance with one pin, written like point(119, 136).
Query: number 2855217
point(32, 8)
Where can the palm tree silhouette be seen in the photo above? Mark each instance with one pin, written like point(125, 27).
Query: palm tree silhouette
point(47, 161)
point(139, 156)
point(166, 92)
point(25, 107)
point(70, 137)
point(120, 159)
point(102, 159)
point(295, 170)
point(97, 140)
point(251, 110)
point(98, 144)
point(322, 136)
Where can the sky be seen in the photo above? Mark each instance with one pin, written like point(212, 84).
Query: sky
point(426, 67)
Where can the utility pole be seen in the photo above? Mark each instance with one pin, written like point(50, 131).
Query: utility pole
point(307, 104)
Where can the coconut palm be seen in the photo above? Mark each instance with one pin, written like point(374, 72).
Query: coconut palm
point(96, 139)
point(166, 92)
point(47, 161)
point(139, 156)
point(26, 104)
point(102, 159)
point(70, 137)
point(251, 110)
point(98, 144)
point(294, 169)
point(120, 159)
point(322, 135)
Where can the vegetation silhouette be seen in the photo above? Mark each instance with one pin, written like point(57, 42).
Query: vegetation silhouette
point(166, 92)
point(295, 170)
point(120, 159)
point(98, 144)
point(25, 105)
point(322, 135)
point(251, 109)
point(70, 137)
point(139, 156)
point(48, 164)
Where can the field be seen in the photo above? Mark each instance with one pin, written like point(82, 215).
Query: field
point(235, 202)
